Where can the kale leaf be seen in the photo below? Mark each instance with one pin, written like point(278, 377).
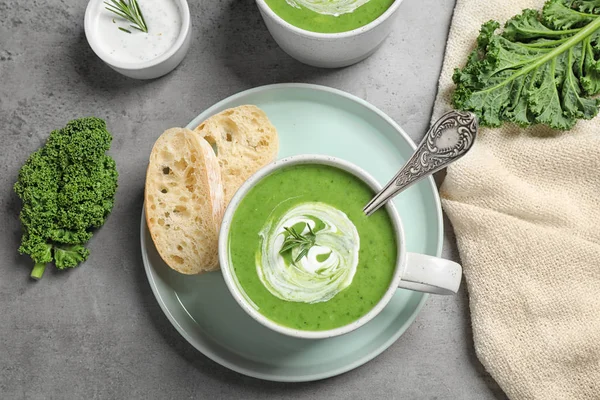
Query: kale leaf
point(544, 68)
point(67, 189)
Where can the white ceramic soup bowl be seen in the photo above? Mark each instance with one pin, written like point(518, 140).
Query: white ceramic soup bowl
point(154, 68)
point(329, 50)
point(413, 271)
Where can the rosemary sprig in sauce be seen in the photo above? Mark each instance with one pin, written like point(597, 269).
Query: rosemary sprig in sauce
point(130, 11)
point(295, 239)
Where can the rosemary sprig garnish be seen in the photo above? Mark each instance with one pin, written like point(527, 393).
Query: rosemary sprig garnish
point(295, 239)
point(130, 11)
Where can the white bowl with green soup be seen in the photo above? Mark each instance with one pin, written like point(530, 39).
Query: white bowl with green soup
point(329, 33)
point(300, 256)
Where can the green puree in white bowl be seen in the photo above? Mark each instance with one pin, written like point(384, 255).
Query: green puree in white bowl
point(347, 270)
point(329, 16)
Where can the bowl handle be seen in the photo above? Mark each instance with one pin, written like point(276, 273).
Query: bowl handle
point(429, 274)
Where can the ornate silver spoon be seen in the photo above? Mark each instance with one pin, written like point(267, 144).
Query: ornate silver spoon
point(446, 141)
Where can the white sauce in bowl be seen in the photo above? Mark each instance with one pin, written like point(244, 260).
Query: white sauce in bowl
point(163, 19)
point(326, 270)
point(329, 7)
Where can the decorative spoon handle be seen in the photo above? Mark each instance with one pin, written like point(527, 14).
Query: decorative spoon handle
point(434, 153)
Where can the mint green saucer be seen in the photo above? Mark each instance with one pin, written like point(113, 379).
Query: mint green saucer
point(317, 120)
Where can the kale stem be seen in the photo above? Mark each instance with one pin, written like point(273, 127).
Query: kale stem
point(552, 33)
point(541, 45)
point(38, 270)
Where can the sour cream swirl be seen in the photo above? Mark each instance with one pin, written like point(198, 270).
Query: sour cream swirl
point(326, 270)
point(328, 7)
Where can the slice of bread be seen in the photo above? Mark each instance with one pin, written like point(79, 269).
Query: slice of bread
point(184, 201)
point(245, 141)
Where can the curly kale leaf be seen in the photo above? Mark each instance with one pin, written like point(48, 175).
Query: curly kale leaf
point(67, 189)
point(70, 256)
point(82, 141)
point(87, 194)
point(587, 6)
point(543, 69)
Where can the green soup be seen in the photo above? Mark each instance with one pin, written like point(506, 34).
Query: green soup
point(341, 277)
point(329, 16)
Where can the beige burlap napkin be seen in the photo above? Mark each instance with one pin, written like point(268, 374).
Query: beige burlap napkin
point(525, 207)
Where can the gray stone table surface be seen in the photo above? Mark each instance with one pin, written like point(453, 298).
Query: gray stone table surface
point(97, 332)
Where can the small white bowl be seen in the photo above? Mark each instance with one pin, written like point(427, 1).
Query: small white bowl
point(329, 50)
point(154, 68)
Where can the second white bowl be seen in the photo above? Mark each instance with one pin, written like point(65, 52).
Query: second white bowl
point(329, 50)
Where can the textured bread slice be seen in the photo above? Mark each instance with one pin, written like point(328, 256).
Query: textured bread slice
point(245, 141)
point(184, 201)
